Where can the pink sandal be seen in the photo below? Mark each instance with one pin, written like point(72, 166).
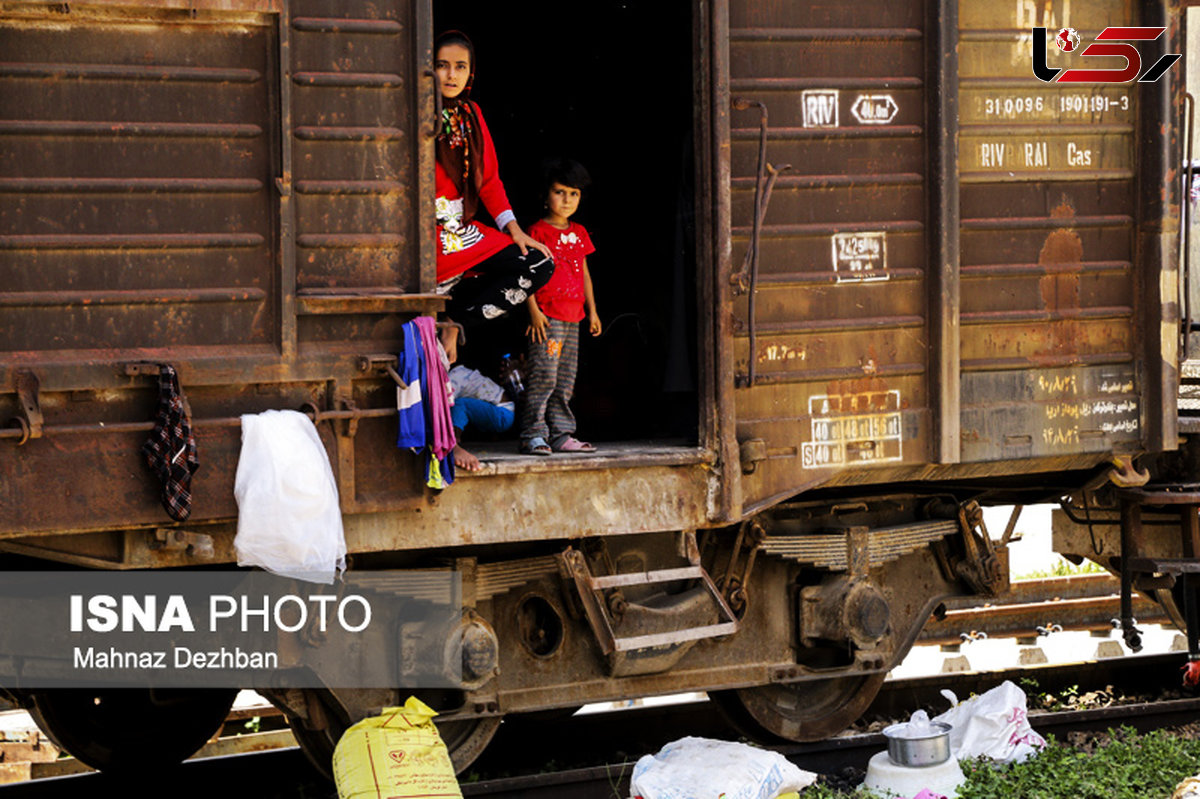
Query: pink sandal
point(572, 444)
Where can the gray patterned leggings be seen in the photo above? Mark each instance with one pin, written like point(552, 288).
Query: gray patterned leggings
point(551, 367)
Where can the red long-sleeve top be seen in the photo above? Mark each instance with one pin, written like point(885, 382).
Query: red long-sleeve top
point(460, 246)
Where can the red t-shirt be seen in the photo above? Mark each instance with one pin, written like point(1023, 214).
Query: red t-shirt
point(461, 246)
point(562, 298)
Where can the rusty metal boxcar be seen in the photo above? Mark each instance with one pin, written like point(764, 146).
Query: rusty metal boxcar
point(903, 277)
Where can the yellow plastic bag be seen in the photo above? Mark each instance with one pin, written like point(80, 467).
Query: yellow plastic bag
point(394, 755)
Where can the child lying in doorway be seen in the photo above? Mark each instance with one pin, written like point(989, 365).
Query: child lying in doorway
point(481, 404)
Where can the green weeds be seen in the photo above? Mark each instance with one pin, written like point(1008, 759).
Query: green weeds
point(1121, 764)
point(1068, 698)
point(1062, 568)
point(1126, 766)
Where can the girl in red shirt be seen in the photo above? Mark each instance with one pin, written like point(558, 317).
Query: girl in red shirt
point(486, 272)
point(547, 423)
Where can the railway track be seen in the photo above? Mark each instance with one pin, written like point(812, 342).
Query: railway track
point(611, 781)
point(1142, 674)
point(1081, 602)
point(559, 758)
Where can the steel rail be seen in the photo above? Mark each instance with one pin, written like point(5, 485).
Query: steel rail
point(618, 736)
point(1084, 602)
point(612, 780)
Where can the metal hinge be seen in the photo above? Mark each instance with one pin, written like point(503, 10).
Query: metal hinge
point(30, 419)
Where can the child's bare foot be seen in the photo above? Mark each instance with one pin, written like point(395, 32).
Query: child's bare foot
point(465, 460)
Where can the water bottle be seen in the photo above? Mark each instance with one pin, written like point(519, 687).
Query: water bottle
point(513, 379)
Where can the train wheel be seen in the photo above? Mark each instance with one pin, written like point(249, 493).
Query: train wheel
point(804, 711)
point(1172, 603)
point(465, 740)
point(130, 729)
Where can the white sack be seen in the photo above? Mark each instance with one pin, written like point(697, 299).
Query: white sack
point(994, 724)
point(289, 522)
point(1188, 789)
point(701, 768)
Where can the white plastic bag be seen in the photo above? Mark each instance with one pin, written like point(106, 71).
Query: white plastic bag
point(289, 521)
point(701, 768)
point(994, 724)
point(1188, 789)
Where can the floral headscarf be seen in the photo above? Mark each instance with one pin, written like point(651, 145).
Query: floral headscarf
point(460, 138)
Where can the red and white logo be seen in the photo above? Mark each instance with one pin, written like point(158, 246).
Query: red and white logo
point(1067, 39)
point(1112, 42)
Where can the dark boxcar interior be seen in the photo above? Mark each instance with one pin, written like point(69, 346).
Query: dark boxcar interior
point(550, 82)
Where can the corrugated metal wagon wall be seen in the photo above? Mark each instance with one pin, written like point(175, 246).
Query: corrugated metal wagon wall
point(241, 188)
point(1049, 342)
point(958, 264)
point(839, 340)
point(360, 182)
point(136, 176)
point(164, 187)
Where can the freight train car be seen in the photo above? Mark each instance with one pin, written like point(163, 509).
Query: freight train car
point(860, 270)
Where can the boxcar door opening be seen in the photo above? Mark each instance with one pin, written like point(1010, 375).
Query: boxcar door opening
point(609, 84)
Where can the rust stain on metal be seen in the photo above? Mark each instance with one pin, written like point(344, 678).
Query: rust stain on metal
point(864, 385)
point(1063, 246)
point(1060, 289)
point(871, 389)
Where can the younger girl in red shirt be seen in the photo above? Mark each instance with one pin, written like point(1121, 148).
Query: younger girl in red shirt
point(485, 272)
point(547, 424)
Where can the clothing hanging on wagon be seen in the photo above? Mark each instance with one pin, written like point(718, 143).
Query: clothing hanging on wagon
point(408, 399)
point(424, 413)
point(289, 519)
point(438, 388)
point(170, 451)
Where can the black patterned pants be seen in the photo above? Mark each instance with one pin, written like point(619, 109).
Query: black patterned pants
point(498, 285)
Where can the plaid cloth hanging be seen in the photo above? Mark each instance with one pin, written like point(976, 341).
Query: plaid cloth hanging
point(171, 449)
